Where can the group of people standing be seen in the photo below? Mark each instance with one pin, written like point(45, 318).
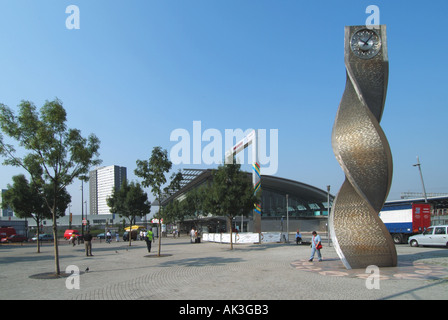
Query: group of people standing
point(193, 235)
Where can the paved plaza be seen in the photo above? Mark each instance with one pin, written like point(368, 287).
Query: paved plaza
point(210, 271)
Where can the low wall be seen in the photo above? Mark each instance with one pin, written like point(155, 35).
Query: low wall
point(245, 237)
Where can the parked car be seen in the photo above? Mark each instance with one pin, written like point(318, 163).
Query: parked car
point(433, 236)
point(68, 233)
point(101, 236)
point(43, 237)
point(15, 238)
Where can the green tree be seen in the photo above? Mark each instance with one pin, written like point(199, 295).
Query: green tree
point(153, 173)
point(175, 183)
point(173, 211)
point(129, 201)
point(195, 203)
point(230, 194)
point(53, 154)
point(25, 202)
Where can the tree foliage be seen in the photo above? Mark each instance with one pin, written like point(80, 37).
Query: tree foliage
point(174, 212)
point(230, 194)
point(129, 201)
point(28, 201)
point(51, 153)
point(195, 203)
point(153, 173)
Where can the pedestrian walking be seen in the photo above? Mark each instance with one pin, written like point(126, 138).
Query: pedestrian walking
point(73, 239)
point(88, 243)
point(192, 235)
point(148, 238)
point(316, 245)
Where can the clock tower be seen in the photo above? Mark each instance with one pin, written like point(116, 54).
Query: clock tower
point(362, 150)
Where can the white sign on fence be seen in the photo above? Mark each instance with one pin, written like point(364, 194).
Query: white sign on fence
point(246, 237)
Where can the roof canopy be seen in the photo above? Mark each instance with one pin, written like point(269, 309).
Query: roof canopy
point(279, 185)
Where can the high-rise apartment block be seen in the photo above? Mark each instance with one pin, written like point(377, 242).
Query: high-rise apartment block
point(101, 184)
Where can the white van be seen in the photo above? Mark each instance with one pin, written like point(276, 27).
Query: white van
point(433, 236)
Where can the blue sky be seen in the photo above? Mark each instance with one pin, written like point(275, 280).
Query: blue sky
point(137, 70)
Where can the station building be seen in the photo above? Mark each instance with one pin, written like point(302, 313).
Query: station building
point(307, 205)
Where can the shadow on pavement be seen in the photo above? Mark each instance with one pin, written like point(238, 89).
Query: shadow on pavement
point(200, 262)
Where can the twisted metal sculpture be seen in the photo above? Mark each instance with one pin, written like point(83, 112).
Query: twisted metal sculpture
point(362, 150)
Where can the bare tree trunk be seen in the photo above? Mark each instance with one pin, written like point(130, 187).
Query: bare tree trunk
point(56, 250)
point(38, 233)
point(130, 231)
point(55, 231)
point(160, 226)
point(231, 242)
point(160, 237)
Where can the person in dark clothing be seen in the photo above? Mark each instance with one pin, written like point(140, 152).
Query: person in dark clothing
point(88, 243)
point(298, 237)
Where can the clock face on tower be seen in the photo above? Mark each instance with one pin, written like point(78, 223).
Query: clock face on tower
point(365, 43)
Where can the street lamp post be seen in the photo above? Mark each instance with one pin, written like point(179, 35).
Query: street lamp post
point(85, 203)
point(328, 216)
point(69, 216)
point(421, 177)
point(287, 218)
point(82, 209)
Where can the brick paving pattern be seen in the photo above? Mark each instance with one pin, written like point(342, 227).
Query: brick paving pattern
point(210, 271)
